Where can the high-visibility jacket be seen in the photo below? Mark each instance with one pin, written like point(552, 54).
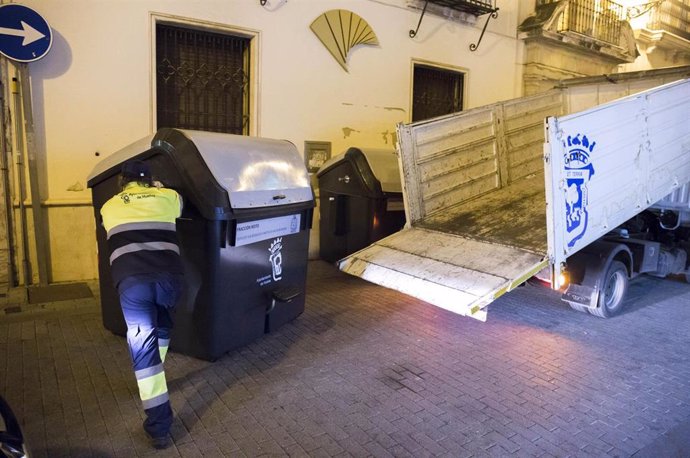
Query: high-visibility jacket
point(140, 225)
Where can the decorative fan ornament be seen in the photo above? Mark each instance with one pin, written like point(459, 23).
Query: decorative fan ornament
point(342, 30)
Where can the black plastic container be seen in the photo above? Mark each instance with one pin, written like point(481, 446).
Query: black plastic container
point(243, 233)
point(360, 201)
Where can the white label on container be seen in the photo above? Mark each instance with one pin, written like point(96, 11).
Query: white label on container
point(264, 229)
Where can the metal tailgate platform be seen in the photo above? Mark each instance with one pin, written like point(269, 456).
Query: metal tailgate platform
point(456, 273)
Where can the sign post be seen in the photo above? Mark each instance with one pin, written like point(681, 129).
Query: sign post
point(25, 36)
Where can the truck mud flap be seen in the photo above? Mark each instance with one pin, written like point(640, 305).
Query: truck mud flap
point(455, 273)
point(583, 295)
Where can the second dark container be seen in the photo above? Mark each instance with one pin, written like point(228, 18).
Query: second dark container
point(360, 201)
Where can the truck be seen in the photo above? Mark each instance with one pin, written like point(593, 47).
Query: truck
point(585, 186)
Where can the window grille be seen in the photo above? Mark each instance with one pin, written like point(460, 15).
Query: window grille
point(436, 92)
point(202, 80)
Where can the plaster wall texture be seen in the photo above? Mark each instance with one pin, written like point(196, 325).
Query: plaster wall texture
point(94, 93)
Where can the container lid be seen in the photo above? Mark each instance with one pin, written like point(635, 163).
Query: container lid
point(221, 172)
point(116, 159)
point(383, 164)
point(256, 172)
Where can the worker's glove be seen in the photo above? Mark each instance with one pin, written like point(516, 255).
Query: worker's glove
point(158, 184)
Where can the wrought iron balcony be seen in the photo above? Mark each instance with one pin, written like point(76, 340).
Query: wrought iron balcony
point(473, 7)
point(671, 16)
point(598, 19)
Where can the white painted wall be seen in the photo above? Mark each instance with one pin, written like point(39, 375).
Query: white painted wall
point(94, 92)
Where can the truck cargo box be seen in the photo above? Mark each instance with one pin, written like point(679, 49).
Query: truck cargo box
point(490, 200)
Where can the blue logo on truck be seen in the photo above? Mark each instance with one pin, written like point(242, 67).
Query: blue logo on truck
point(578, 172)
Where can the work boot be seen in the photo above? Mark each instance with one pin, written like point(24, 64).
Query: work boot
point(157, 425)
point(161, 442)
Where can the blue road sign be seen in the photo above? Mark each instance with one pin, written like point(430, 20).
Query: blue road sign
point(24, 35)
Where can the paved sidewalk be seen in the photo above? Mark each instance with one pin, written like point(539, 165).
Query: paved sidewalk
point(366, 371)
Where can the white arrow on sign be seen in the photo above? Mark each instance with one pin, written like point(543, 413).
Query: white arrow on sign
point(29, 33)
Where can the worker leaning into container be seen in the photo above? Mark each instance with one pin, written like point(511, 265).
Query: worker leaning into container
point(147, 273)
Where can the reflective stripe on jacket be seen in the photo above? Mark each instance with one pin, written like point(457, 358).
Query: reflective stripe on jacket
point(140, 225)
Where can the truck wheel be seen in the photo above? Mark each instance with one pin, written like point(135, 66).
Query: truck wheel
point(613, 291)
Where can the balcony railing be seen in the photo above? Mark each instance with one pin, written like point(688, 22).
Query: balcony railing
point(599, 19)
point(472, 7)
point(672, 16)
point(476, 7)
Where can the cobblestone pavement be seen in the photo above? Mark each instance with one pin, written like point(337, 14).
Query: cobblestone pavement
point(366, 371)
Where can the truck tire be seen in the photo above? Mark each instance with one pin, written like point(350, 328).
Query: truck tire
point(578, 307)
point(613, 290)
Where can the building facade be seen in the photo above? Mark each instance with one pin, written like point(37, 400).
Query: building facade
point(120, 69)
point(325, 75)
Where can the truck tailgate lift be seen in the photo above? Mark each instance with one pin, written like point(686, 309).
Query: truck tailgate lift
point(452, 272)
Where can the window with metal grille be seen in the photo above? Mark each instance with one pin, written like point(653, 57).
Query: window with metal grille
point(436, 92)
point(202, 80)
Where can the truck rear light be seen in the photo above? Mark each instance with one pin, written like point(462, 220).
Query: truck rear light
point(562, 280)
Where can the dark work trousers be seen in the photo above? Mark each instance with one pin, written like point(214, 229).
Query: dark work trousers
point(147, 304)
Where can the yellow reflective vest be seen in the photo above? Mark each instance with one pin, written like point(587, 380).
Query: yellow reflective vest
point(140, 226)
